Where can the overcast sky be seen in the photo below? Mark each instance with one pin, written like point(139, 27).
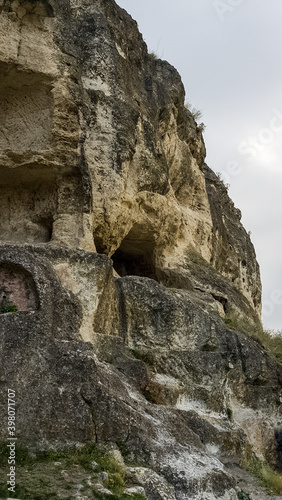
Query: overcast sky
point(228, 53)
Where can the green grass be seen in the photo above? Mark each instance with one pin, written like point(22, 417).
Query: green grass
point(272, 479)
point(268, 477)
point(242, 495)
point(84, 457)
point(39, 491)
point(229, 413)
point(22, 456)
point(38, 478)
point(8, 308)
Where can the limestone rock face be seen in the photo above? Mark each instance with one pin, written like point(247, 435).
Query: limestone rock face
point(121, 255)
point(98, 149)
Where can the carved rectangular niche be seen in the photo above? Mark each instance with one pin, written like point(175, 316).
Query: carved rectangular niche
point(26, 111)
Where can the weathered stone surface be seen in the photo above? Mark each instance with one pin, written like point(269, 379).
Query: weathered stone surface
point(97, 146)
point(98, 152)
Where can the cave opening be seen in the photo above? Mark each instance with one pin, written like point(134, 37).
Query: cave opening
point(126, 264)
point(135, 256)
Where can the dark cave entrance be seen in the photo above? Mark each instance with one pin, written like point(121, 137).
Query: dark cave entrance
point(135, 256)
point(126, 264)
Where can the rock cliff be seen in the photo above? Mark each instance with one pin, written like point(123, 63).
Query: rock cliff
point(124, 258)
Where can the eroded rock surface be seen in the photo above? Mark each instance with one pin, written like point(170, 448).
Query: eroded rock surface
point(101, 160)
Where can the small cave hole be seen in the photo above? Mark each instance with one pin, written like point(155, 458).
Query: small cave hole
point(222, 301)
point(135, 256)
point(127, 264)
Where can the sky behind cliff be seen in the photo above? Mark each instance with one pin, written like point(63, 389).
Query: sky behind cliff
point(228, 53)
